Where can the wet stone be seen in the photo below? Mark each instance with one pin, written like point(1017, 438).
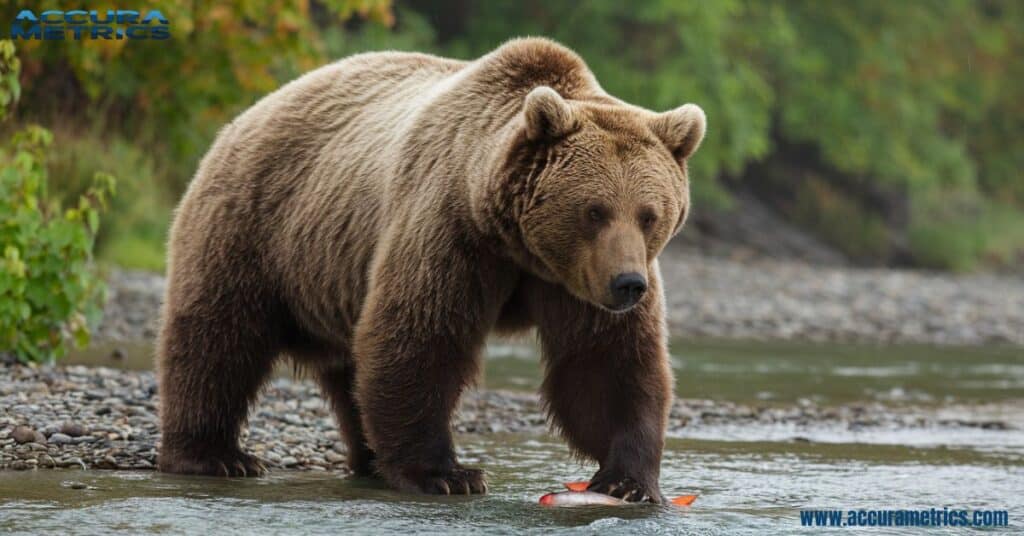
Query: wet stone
point(24, 434)
point(60, 439)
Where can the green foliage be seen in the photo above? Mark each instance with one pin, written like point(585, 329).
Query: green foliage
point(136, 222)
point(48, 291)
point(960, 231)
point(10, 68)
point(859, 234)
point(176, 93)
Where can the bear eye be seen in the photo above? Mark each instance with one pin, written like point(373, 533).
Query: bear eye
point(596, 214)
point(647, 220)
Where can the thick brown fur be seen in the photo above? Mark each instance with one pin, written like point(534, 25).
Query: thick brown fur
point(377, 218)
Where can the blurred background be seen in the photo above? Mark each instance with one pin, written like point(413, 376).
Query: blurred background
point(887, 133)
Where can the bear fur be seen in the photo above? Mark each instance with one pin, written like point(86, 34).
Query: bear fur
point(377, 218)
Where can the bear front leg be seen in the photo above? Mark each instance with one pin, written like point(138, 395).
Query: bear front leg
point(416, 347)
point(209, 375)
point(608, 387)
point(409, 380)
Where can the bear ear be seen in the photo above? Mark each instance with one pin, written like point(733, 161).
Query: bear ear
point(681, 130)
point(548, 116)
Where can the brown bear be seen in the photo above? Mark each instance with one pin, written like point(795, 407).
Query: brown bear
point(377, 218)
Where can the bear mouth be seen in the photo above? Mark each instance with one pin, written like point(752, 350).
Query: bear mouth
point(618, 309)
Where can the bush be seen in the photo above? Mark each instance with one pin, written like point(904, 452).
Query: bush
point(838, 220)
point(959, 232)
point(49, 293)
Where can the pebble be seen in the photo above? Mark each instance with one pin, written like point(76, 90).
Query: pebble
point(60, 439)
point(24, 434)
point(73, 429)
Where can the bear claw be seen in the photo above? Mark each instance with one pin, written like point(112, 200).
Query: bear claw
point(458, 481)
point(627, 489)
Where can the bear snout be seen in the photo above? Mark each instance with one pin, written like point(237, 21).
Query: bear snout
point(627, 289)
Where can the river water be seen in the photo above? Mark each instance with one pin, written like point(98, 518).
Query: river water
point(750, 478)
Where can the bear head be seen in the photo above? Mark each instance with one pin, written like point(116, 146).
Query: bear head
point(601, 187)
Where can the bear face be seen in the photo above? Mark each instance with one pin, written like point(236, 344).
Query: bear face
point(611, 192)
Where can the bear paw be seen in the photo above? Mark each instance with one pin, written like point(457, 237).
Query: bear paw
point(234, 463)
point(625, 488)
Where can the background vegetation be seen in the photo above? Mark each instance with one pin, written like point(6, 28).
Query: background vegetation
point(892, 130)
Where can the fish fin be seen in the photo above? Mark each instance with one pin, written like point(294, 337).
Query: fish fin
point(684, 500)
point(577, 486)
point(548, 500)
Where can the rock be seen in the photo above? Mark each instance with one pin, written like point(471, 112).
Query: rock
point(289, 461)
point(71, 462)
point(24, 434)
point(60, 439)
point(72, 429)
point(312, 403)
point(334, 457)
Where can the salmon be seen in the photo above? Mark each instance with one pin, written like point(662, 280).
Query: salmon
point(579, 498)
point(577, 495)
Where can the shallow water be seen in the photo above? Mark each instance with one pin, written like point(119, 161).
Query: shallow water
point(750, 478)
point(744, 487)
point(785, 372)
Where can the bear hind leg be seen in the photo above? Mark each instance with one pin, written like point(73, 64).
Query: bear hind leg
point(337, 383)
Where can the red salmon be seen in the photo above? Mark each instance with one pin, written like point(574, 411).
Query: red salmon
point(579, 496)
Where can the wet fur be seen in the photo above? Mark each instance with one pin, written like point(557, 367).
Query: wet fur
point(367, 221)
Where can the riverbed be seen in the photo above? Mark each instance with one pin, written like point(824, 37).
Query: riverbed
point(743, 487)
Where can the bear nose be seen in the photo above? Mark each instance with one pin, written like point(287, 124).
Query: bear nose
point(627, 289)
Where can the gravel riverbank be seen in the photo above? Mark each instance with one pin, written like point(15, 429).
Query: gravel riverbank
point(97, 417)
point(775, 299)
point(757, 299)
